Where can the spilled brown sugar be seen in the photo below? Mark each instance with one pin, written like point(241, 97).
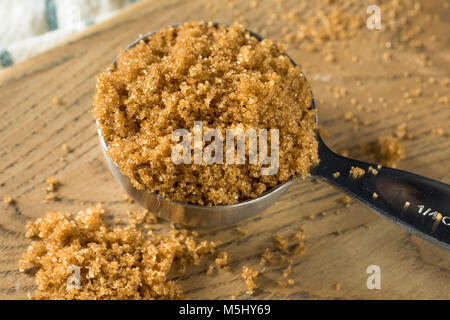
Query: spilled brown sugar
point(389, 150)
point(356, 172)
point(221, 76)
point(101, 262)
point(8, 200)
point(386, 150)
point(250, 276)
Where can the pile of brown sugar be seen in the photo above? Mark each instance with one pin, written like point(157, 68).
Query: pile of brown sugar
point(220, 75)
point(386, 150)
point(119, 262)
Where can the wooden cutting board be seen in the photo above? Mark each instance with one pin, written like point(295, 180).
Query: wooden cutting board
point(341, 243)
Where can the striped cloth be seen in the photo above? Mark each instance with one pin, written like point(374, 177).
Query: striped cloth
point(30, 27)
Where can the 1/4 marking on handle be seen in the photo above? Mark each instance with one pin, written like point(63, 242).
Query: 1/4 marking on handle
point(437, 216)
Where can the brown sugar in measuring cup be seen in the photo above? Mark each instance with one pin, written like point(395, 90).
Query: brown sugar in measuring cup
point(393, 187)
point(219, 75)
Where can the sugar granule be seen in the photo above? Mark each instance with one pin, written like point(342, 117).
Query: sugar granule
point(356, 172)
point(250, 276)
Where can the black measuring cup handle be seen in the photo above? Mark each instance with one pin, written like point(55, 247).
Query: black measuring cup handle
point(416, 203)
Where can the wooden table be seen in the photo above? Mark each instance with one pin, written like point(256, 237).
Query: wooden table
point(33, 129)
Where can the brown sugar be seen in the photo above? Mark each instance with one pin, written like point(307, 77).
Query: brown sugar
point(250, 276)
point(142, 217)
point(65, 148)
point(287, 283)
point(288, 270)
point(8, 200)
point(267, 257)
point(52, 184)
point(346, 201)
point(356, 172)
point(127, 198)
point(300, 247)
point(390, 150)
point(280, 243)
point(221, 76)
point(82, 258)
point(56, 100)
point(372, 170)
point(438, 131)
point(223, 260)
point(241, 231)
point(386, 149)
point(210, 270)
point(50, 196)
point(51, 188)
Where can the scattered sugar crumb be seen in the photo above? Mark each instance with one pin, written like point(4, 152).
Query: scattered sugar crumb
point(52, 184)
point(356, 172)
point(8, 200)
point(443, 100)
point(400, 131)
point(127, 198)
point(311, 216)
point(210, 270)
point(223, 260)
point(287, 283)
point(50, 196)
point(390, 150)
point(50, 189)
point(437, 131)
point(267, 257)
point(250, 276)
point(143, 216)
point(346, 200)
point(65, 148)
point(288, 270)
point(56, 101)
point(386, 149)
point(241, 231)
point(280, 243)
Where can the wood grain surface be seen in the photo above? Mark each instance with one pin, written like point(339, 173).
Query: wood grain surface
point(341, 243)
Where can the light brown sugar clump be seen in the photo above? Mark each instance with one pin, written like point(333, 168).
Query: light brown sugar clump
point(250, 276)
point(372, 170)
point(221, 76)
point(356, 172)
point(8, 200)
point(390, 150)
point(387, 150)
point(280, 243)
point(222, 260)
point(119, 262)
